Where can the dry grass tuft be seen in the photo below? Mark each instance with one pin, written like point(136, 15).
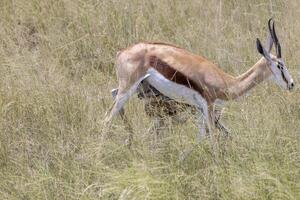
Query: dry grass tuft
point(57, 68)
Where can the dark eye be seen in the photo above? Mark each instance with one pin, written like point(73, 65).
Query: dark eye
point(279, 67)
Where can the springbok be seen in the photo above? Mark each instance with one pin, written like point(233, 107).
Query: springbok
point(175, 73)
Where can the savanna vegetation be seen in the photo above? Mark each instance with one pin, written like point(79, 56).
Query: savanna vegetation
point(56, 73)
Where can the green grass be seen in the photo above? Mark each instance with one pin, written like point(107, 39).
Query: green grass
point(57, 70)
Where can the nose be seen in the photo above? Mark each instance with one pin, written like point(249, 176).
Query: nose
point(291, 85)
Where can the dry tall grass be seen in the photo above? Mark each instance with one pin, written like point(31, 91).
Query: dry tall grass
point(57, 68)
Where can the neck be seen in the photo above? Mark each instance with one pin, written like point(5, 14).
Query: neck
point(243, 83)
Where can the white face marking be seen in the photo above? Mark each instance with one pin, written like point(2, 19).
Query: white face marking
point(280, 73)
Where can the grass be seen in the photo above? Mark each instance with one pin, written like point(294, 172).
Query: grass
point(57, 69)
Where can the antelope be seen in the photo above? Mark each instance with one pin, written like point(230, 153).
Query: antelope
point(174, 73)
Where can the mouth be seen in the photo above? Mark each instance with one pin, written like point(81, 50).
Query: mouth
point(290, 86)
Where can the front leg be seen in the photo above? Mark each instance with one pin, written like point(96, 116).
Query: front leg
point(201, 124)
point(204, 122)
point(221, 127)
point(217, 122)
point(204, 117)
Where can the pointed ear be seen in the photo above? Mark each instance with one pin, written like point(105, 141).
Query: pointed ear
point(259, 47)
point(262, 50)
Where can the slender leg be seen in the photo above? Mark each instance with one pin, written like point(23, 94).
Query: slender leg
point(182, 94)
point(122, 97)
point(120, 100)
point(114, 93)
point(221, 127)
point(203, 120)
point(202, 129)
point(204, 113)
point(218, 124)
point(210, 132)
point(200, 135)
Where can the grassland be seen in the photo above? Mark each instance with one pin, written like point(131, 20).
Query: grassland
point(56, 72)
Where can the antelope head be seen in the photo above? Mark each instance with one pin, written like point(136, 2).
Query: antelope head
point(276, 64)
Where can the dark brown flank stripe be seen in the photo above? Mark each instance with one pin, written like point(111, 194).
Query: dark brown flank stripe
point(173, 75)
point(164, 104)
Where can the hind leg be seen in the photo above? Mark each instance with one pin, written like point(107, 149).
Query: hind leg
point(114, 93)
point(122, 97)
point(120, 100)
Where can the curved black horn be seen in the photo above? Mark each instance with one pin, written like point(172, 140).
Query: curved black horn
point(270, 39)
point(277, 44)
point(269, 25)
